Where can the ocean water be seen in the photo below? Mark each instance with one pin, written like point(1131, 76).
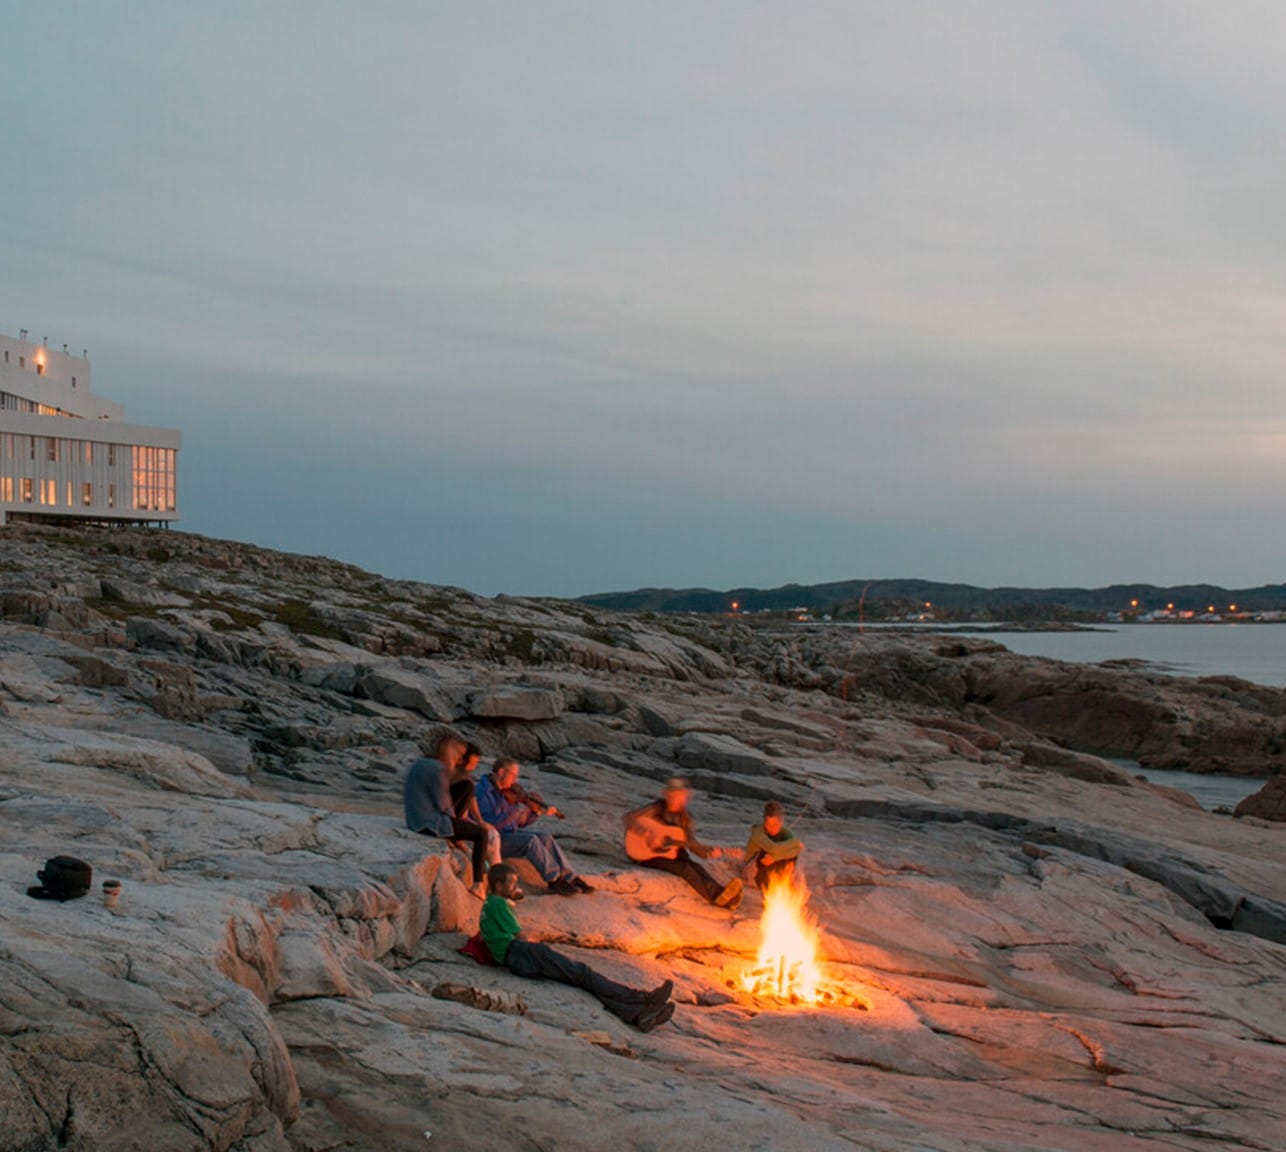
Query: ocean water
point(1254, 652)
point(1208, 791)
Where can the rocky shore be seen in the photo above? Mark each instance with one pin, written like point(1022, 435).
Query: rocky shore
point(1038, 950)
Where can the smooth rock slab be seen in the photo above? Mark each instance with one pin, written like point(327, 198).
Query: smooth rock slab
point(710, 752)
point(517, 704)
point(402, 689)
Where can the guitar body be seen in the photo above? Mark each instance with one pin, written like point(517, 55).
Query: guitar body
point(646, 838)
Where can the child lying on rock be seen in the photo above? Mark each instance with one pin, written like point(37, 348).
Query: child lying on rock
point(645, 1010)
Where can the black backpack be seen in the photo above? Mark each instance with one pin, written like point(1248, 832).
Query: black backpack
point(63, 878)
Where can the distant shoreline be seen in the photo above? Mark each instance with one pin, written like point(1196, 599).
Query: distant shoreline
point(973, 628)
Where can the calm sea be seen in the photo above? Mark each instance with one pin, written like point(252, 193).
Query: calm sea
point(1255, 652)
point(1252, 651)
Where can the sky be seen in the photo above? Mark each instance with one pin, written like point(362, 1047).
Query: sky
point(562, 298)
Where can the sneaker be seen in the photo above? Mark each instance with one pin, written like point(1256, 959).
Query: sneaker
point(581, 885)
point(653, 1017)
point(730, 897)
point(563, 887)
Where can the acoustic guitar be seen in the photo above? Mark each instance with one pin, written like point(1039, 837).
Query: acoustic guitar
point(646, 838)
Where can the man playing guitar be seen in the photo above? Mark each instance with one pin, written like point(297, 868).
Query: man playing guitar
point(661, 835)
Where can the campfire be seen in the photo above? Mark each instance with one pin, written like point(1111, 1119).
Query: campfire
point(789, 967)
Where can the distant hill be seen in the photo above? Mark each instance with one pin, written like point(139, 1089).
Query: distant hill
point(842, 596)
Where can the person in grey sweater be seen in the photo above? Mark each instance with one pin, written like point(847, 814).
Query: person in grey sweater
point(426, 800)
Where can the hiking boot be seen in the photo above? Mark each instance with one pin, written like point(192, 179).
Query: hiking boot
point(653, 1017)
point(730, 897)
point(660, 994)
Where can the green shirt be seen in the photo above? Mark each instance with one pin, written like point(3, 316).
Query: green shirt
point(784, 846)
point(499, 926)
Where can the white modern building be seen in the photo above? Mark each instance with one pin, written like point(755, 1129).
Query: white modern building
point(68, 454)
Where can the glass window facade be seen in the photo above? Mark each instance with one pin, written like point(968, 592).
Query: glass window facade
point(154, 479)
point(83, 476)
point(11, 403)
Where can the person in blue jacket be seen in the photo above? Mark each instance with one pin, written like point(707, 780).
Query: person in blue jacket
point(512, 811)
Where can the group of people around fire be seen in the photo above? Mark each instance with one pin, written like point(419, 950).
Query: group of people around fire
point(493, 818)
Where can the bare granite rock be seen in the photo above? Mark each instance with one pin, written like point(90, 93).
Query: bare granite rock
point(517, 703)
point(1269, 803)
point(1025, 947)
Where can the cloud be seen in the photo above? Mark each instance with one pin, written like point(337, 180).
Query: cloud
point(712, 294)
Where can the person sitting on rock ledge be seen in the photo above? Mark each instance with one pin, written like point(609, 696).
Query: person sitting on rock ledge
point(512, 811)
point(464, 798)
point(426, 800)
point(644, 1009)
point(661, 835)
point(772, 848)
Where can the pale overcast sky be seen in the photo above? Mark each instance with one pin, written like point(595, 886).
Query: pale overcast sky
point(570, 297)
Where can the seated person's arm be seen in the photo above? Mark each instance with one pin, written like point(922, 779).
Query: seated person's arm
point(787, 848)
point(497, 811)
point(705, 851)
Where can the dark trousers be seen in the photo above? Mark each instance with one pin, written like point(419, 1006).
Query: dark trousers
point(541, 962)
point(687, 869)
point(476, 836)
point(462, 792)
point(764, 872)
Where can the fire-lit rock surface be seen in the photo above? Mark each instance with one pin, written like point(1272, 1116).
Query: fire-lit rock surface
point(1033, 950)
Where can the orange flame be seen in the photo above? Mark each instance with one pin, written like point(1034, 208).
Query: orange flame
point(787, 967)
